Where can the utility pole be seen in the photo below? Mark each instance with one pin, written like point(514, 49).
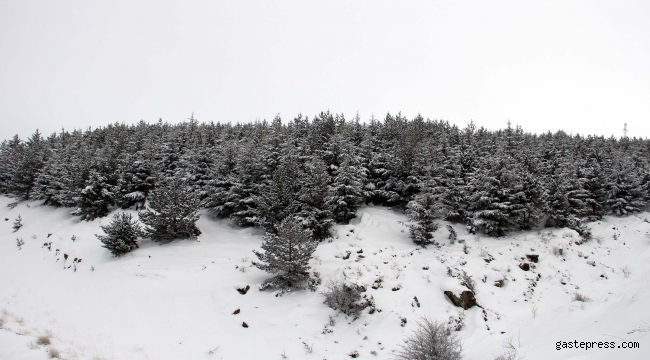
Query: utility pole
point(625, 130)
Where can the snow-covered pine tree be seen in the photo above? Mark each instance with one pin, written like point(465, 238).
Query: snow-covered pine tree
point(286, 255)
point(314, 214)
point(172, 212)
point(94, 200)
point(493, 203)
point(135, 180)
point(346, 190)
point(18, 223)
point(624, 195)
point(121, 234)
point(29, 161)
point(421, 212)
point(196, 167)
point(279, 199)
point(558, 209)
point(244, 185)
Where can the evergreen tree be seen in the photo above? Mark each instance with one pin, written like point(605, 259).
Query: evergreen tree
point(421, 212)
point(135, 181)
point(18, 223)
point(314, 213)
point(95, 198)
point(172, 212)
point(121, 234)
point(624, 195)
point(286, 255)
point(279, 199)
point(346, 191)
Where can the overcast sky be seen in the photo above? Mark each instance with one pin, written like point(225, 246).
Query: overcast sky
point(580, 66)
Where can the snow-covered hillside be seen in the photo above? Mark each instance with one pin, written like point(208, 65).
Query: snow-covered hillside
point(176, 301)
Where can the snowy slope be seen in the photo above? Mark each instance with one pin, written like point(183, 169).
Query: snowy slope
point(175, 301)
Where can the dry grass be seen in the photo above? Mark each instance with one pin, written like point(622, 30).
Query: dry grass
point(54, 353)
point(580, 297)
point(43, 340)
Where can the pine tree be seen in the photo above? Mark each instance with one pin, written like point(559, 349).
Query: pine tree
point(172, 212)
point(18, 223)
point(314, 213)
point(279, 199)
point(421, 214)
point(95, 198)
point(346, 191)
point(135, 181)
point(624, 195)
point(121, 234)
point(286, 255)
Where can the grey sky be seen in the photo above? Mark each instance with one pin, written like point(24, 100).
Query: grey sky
point(581, 66)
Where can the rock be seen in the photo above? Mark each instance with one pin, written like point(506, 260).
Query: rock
point(524, 266)
point(417, 302)
point(499, 283)
point(533, 257)
point(396, 288)
point(466, 299)
point(243, 324)
point(244, 290)
point(236, 312)
point(360, 251)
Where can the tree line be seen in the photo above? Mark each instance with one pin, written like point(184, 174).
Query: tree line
point(319, 171)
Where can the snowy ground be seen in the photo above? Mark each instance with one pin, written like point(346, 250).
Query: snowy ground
point(176, 301)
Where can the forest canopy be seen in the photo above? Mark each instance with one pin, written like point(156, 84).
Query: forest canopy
point(320, 170)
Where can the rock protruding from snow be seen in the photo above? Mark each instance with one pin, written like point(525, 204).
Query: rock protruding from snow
point(466, 299)
point(533, 257)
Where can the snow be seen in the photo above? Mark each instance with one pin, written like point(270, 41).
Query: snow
point(176, 301)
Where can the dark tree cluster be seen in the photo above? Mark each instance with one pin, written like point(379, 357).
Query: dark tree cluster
point(319, 171)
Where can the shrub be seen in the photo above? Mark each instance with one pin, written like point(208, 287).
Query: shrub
point(54, 353)
point(580, 297)
point(346, 297)
point(431, 340)
point(43, 340)
point(122, 234)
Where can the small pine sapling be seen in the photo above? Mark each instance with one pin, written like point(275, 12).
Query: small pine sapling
point(121, 234)
point(453, 236)
point(286, 254)
point(19, 243)
point(18, 223)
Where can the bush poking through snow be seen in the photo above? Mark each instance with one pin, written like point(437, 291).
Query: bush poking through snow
point(287, 255)
point(580, 297)
point(54, 353)
point(467, 281)
point(431, 340)
point(121, 234)
point(43, 340)
point(19, 243)
point(346, 298)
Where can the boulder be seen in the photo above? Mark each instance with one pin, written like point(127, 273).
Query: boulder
point(524, 266)
point(533, 257)
point(466, 299)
